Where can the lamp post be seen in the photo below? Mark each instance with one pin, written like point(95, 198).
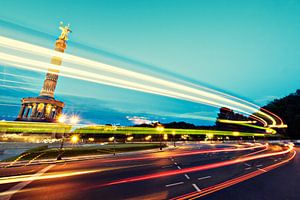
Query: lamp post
point(113, 139)
point(160, 129)
point(73, 121)
point(173, 133)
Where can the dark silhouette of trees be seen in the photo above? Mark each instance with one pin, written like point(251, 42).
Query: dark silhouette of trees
point(288, 108)
point(228, 114)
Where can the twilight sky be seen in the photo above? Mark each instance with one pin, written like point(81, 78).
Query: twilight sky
point(250, 49)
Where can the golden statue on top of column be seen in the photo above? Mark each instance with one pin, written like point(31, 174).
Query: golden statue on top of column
point(65, 30)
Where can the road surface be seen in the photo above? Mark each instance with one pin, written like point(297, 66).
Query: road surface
point(190, 171)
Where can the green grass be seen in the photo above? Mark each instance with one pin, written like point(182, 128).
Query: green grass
point(43, 152)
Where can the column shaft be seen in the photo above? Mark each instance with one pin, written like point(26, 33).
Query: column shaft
point(21, 113)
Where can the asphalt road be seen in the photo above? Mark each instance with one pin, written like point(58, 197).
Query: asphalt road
point(189, 171)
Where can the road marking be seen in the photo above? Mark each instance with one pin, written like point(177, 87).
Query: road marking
point(205, 177)
point(247, 168)
point(173, 184)
point(186, 176)
point(167, 166)
point(178, 167)
point(262, 170)
point(259, 165)
point(247, 164)
point(13, 190)
point(175, 163)
point(196, 187)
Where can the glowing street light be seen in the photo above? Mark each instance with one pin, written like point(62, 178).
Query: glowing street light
point(74, 139)
point(111, 139)
point(160, 129)
point(130, 138)
point(74, 119)
point(147, 138)
point(174, 133)
point(165, 136)
point(62, 118)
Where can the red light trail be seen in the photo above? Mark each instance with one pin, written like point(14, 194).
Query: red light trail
point(197, 168)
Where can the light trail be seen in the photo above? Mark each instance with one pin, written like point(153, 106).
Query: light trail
point(30, 177)
point(97, 78)
point(197, 168)
point(18, 82)
point(199, 152)
point(220, 186)
point(186, 154)
point(43, 51)
point(18, 87)
point(242, 100)
point(250, 124)
point(17, 75)
point(235, 121)
point(209, 98)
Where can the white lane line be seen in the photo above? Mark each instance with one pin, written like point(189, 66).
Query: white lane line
point(247, 164)
point(259, 165)
point(178, 167)
point(173, 184)
point(196, 187)
point(262, 170)
point(247, 168)
point(205, 177)
point(186, 176)
point(175, 163)
point(167, 166)
point(13, 190)
point(275, 160)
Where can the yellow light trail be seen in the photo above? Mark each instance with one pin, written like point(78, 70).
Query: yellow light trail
point(242, 100)
point(213, 98)
point(52, 175)
point(235, 121)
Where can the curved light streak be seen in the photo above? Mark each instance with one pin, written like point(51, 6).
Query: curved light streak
point(239, 99)
point(223, 185)
point(14, 44)
point(197, 168)
point(107, 80)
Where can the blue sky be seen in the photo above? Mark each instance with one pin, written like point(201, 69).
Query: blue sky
point(247, 48)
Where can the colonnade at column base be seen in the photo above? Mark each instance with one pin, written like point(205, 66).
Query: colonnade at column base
point(40, 109)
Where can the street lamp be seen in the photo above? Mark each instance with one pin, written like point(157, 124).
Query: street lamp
point(112, 139)
point(173, 133)
point(62, 118)
point(74, 139)
point(130, 138)
point(73, 120)
point(160, 129)
point(147, 138)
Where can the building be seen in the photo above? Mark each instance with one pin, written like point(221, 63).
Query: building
point(45, 108)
